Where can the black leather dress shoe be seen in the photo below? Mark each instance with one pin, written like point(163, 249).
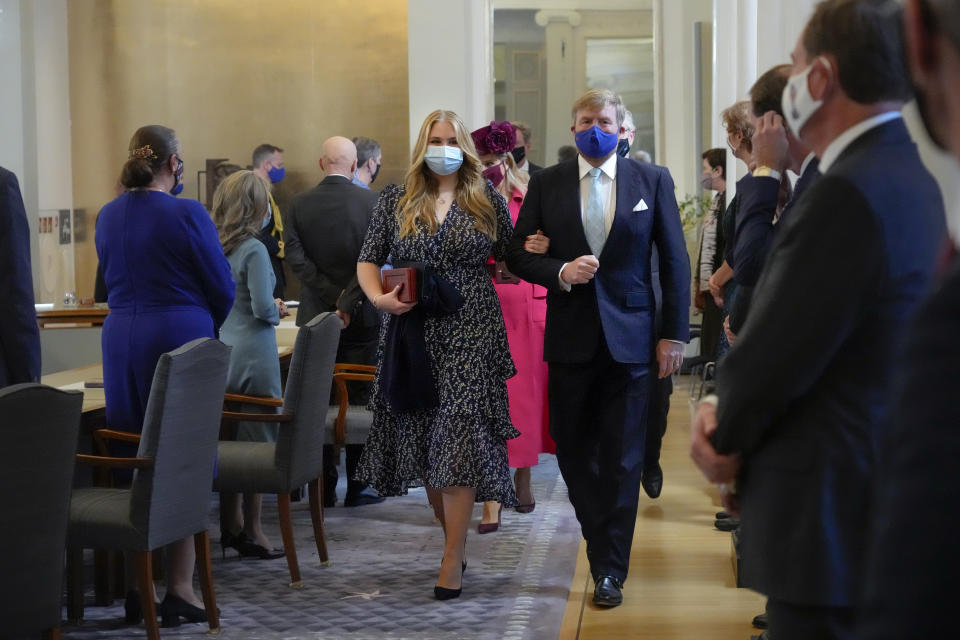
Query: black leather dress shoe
point(727, 524)
point(760, 621)
point(653, 481)
point(607, 592)
point(363, 497)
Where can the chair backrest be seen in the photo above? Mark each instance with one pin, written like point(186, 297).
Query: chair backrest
point(38, 428)
point(299, 454)
point(171, 500)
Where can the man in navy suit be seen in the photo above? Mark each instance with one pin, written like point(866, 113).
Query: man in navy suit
point(802, 398)
point(911, 587)
point(19, 336)
point(602, 214)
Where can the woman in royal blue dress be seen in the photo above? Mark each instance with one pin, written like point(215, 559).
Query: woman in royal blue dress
point(167, 283)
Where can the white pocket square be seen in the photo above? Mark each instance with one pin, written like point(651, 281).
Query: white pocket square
point(641, 206)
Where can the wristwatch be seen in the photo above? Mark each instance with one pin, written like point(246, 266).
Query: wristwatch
point(767, 172)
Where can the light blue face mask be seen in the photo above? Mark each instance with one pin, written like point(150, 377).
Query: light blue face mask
point(443, 160)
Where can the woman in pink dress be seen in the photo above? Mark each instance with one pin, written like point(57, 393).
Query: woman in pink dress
point(524, 314)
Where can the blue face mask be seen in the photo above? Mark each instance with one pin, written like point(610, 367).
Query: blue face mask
point(276, 174)
point(443, 160)
point(267, 220)
point(595, 143)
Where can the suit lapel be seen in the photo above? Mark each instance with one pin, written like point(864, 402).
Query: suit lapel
point(626, 198)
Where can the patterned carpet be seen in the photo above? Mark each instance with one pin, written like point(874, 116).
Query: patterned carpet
point(384, 562)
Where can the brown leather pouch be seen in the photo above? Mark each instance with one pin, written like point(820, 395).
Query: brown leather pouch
point(408, 278)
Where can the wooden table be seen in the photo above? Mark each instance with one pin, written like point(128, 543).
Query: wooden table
point(73, 315)
point(94, 401)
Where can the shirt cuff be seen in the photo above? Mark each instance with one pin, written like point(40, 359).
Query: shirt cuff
point(563, 285)
point(711, 399)
point(674, 341)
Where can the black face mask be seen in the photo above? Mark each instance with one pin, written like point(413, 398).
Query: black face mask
point(623, 147)
point(519, 153)
point(924, 108)
point(373, 176)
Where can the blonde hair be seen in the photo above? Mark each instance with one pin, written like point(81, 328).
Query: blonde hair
point(513, 178)
point(240, 205)
point(418, 205)
point(736, 119)
point(596, 100)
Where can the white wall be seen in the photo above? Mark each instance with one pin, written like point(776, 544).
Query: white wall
point(676, 110)
point(35, 129)
point(450, 54)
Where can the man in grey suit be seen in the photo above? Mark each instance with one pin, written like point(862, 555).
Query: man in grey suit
point(325, 229)
point(19, 337)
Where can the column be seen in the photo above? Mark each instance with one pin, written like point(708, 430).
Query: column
point(560, 77)
point(450, 55)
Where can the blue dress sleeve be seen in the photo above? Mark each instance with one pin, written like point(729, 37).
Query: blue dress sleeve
point(260, 282)
point(210, 265)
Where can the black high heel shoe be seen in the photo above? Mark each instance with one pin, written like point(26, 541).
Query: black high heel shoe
point(230, 541)
point(246, 547)
point(173, 608)
point(249, 549)
point(442, 593)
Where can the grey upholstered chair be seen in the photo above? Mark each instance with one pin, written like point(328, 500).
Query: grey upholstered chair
point(296, 458)
point(349, 423)
point(39, 434)
point(175, 461)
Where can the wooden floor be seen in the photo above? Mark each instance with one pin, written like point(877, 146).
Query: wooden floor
point(681, 582)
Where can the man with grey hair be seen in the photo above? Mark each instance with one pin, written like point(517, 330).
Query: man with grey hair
point(911, 584)
point(627, 135)
point(369, 159)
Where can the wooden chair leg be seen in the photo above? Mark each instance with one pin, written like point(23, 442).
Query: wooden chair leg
point(286, 532)
point(315, 489)
point(74, 585)
point(143, 561)
point(52, 634)
point(201, 542)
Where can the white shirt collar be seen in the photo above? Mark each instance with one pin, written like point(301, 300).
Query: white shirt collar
point(608, 167)
point(524, 166)
point(845, 139)
point(806, 162)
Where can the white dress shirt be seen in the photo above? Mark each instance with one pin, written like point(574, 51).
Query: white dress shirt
point(608, 192)
point(845, 139)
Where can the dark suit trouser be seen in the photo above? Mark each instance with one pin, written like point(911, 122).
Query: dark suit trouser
point(597, 416)
point(800, 622)
point(657, 410)
point(358, 345)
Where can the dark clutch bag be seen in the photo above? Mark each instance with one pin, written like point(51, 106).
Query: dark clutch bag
point(409, 280)
point(499, 276)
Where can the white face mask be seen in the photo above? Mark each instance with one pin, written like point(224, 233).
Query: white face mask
point(797, 102)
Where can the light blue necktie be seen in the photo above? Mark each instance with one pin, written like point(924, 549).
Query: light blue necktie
point(594, 220)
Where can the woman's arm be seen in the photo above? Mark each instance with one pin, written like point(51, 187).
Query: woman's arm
point(368, 275)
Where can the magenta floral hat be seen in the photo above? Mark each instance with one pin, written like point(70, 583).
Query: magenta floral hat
point(496, 137)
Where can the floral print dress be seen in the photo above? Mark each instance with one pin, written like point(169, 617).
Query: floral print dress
point(462, 441)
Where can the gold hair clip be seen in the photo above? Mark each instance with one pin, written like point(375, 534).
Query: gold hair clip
point(143, 153)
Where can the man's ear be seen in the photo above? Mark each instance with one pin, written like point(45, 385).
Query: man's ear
point(320, 161)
